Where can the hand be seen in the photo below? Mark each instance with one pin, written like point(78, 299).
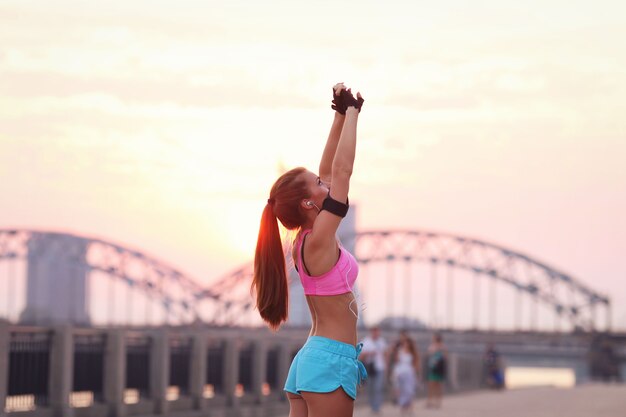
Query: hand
point(338, 104)
point(349, 101)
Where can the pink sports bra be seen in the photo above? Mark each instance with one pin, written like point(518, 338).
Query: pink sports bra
point(339, 280)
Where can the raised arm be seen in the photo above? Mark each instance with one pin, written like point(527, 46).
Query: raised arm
point(326, 223)
point(325, 170)
point(343, 162)
point(320, 250)
point(326, 163)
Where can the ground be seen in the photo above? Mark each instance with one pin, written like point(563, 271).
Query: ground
point(583, 401)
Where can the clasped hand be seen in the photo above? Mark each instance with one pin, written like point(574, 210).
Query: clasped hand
point(343, 98)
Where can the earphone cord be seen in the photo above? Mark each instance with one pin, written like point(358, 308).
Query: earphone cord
point(354, 295)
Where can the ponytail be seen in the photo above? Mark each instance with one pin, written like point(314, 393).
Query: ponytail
point(270, 275)
point(270, 280)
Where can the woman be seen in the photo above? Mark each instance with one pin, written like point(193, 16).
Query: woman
point(437, 360)
point(324, 375)
point(405, 370)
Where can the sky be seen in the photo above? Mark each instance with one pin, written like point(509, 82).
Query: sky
point(161, 126)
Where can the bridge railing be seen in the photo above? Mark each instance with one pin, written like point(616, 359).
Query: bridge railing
point(29, 354)
point(67, 371)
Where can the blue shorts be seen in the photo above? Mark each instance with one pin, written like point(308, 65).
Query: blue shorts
point(324, 365)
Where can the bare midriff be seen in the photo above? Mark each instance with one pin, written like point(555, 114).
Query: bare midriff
point(332, 317)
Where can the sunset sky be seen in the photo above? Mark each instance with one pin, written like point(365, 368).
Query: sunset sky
point(161, 125)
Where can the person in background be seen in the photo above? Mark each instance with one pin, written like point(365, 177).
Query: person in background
point(405, 370)
point(493, 367)
point(375, 355)
point(437, 361)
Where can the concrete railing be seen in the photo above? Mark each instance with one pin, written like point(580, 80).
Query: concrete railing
point(66, 371)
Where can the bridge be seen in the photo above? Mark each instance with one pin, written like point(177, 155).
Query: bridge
point(403, 274)
point(155, 340)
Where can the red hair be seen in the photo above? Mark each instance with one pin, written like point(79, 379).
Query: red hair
point(270, 271)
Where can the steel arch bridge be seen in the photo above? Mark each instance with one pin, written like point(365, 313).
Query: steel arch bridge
point(170, 296)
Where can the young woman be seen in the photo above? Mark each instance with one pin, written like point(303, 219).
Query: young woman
point(437, 359)
point(324, 375)
point(405, 369)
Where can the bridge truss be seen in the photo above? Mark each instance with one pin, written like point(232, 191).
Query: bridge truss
point(438, 279)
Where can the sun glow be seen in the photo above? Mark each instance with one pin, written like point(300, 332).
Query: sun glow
point(240, 227)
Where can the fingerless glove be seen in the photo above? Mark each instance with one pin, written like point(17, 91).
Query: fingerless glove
point(338, 104)
point(348, 100)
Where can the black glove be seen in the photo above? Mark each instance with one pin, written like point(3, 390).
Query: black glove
point(338, 104)
point(348, 100)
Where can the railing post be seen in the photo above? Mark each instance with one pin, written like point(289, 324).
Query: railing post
point(231, 370)
point(259, 364)
point(5, 345)
point(453, 371)
point(61, 371)
point(160, 370)
point(198, 370)
point(115, 373)
point(284, 362)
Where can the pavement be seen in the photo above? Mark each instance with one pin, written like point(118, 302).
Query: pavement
point(591, 400)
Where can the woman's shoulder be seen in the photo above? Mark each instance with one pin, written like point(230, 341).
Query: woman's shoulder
point(297, 242)
point(301, 233)
point(299, 237)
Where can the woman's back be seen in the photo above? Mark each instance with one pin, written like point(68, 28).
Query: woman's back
point(332, 315)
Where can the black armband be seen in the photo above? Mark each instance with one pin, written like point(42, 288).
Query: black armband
point(335, 207)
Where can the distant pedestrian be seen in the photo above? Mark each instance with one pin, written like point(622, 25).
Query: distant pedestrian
point(375, 355)
point(437, 364)
point(405, 370)
point(492, 362)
